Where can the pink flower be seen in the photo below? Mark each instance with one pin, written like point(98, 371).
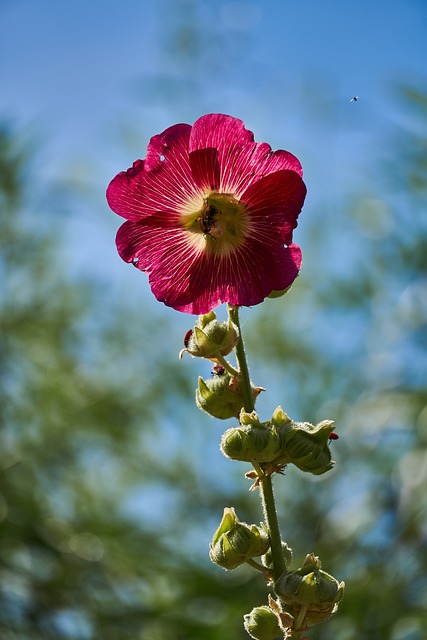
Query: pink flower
point(210, 215)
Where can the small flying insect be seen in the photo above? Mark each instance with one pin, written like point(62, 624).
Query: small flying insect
point(354, 99)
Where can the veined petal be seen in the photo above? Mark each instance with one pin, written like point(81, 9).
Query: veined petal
point(218, 131)
point(205, 169)
point(162, 181)
point(172, 145)
point(259, 162)
point(245, 280)
point(211, 136)
point(189, 280)
point(231, 160)
point(276, 199)
point(125, 191)
point(171, 261)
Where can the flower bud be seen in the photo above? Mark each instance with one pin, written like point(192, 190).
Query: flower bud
point(256, 442)
point(221, 396)
point(235, 542)
point(305, 445)
point(211, 337)
point(262, 623)
point(311, 588)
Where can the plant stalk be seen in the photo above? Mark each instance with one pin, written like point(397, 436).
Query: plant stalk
point(265, 482)
point(242, 364)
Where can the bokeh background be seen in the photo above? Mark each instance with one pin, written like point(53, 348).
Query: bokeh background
point(111, 481)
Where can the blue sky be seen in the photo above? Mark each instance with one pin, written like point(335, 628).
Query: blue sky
point(95, 79)
point(77, 69)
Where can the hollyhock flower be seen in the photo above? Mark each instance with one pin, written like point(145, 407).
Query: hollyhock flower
point(210, 215)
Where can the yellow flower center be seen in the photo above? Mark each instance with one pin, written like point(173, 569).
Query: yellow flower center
point(220, 226)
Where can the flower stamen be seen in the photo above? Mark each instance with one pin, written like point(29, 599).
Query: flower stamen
point(222, 221)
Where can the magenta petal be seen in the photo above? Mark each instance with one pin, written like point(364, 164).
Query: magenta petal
point(169, 183)
point(162, 182)
point(241, 161)
point(205, 169)
point(171, 144)
point(221, 137)
point(276, 199)
point(128, 240)
point(218, 131)
point(193, 282)
point(125, 191)
point(157, 247)
point(244, 166)
point(264, 161)
point(246, 280)
point(145, 242)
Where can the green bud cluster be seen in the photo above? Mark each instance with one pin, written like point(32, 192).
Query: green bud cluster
point(235, 542)
point(221, 396)
point(305, 596)
point(211, 337)
point(309, 594)
point(280, 441)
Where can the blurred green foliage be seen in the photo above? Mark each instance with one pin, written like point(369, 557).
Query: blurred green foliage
point(107, 502)
point(83, 439)
point(350, 344)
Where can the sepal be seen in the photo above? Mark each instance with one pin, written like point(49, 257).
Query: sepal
point(235, 542)
point(278, 294)
point(281, 419)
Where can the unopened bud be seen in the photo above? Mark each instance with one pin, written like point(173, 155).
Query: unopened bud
point(306, 446)
point(211, 337)
point(235, 542)
point(262, 623)
point(311, 588)
point(256, 442)
point(221, 396)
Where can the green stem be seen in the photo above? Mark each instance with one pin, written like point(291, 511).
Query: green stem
point(270, 515)
point(259, 567)
point(299, 621)
point(266, 485)
point(233, 313)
